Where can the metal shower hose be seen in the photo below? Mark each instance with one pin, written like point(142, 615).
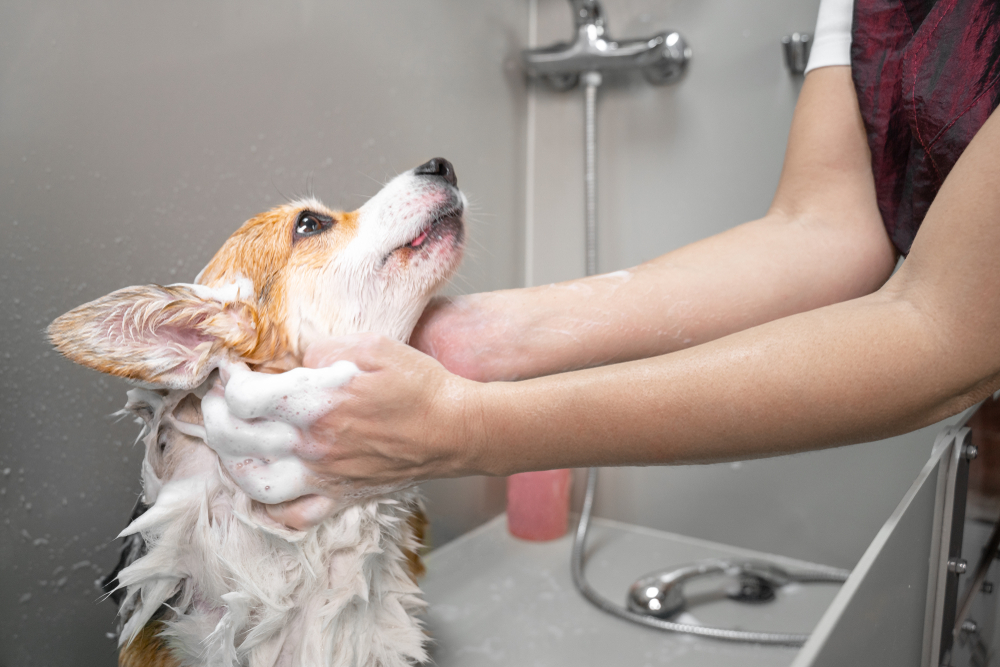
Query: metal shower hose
point(591, 81)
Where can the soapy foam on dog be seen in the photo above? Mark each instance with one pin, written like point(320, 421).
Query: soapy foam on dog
point(258, 423)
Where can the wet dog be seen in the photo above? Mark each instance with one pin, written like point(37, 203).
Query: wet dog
point(207, 577)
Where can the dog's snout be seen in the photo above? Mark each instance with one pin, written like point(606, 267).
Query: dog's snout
point(438, 166)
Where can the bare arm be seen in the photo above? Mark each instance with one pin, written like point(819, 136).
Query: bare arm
point(920, 349)
point(821, 242)
point(821, 355)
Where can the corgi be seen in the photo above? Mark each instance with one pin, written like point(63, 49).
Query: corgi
point(207, 578)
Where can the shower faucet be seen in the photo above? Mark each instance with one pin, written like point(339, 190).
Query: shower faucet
point(661, 58)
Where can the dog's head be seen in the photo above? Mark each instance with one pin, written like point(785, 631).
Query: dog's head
point(287, 277)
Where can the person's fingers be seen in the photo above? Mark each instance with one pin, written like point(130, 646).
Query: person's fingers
point(302, 513)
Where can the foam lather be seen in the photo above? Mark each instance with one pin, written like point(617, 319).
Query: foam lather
point(258, 424)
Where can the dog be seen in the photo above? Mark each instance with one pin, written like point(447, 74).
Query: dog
point(207, 578)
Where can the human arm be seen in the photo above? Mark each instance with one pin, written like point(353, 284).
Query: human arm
point(918, 349)
point(821, 242)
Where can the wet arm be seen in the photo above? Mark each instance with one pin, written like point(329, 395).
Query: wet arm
point(821, 242)
point(919, 349)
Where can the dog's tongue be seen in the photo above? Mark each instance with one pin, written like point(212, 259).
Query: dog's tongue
point(420, 239)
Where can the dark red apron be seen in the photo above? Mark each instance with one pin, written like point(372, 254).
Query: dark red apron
point(926, 75)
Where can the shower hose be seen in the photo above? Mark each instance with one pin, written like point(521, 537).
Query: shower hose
point(591, 81)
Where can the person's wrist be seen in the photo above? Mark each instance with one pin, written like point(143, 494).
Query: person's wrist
point(448, 331)
point(499, 327)
point(469, 433)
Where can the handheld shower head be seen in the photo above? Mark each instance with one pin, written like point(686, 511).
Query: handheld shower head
point(661, 58)
point(661, 594)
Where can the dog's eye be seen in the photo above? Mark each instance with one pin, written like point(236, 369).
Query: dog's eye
point(310, 223)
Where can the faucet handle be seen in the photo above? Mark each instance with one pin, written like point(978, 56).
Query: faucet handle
point(672, 59)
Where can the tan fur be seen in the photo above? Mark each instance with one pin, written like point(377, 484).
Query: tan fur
point(262, 250)
point(418, 523)
point(147, 650)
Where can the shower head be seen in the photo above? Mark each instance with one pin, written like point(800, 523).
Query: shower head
point(661, 58)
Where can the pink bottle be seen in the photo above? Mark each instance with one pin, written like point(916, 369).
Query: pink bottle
point(538, 504)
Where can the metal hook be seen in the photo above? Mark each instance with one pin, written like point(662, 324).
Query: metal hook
point(797, 46)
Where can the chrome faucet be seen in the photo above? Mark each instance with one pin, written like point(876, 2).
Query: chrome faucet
point(661, 58)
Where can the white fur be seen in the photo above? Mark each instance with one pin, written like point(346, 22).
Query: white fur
point(374, 295)
point(249, 592)
point(241, 289)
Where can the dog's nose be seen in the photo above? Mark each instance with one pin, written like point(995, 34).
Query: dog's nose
point(438, 166)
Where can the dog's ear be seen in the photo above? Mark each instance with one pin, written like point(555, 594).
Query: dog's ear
point(168, 337)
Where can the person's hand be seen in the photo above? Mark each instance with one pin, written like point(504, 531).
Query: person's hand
point(459, 333)
point(403, 419)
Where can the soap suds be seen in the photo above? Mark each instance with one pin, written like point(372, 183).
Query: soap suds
point(624, 274)
point(257, 422)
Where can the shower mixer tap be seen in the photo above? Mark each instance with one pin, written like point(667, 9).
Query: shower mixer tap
point(661, 58)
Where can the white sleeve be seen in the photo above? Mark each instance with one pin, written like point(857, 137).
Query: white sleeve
point(831, 44)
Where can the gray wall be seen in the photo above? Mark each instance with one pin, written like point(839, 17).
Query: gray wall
point(675, 163)
point(134, 137)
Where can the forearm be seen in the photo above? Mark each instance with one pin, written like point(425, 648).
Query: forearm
point(921, 348)
point(852, 372)
point(757, 272)
point(821, 242)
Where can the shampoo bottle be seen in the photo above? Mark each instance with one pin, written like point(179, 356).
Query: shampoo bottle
point(538, 504)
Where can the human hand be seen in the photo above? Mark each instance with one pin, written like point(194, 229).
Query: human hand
point(527, 333)
point(400, 418)
point(256, 422)
point(488, 337)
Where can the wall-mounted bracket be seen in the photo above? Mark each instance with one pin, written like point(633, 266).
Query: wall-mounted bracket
point(796, 47)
